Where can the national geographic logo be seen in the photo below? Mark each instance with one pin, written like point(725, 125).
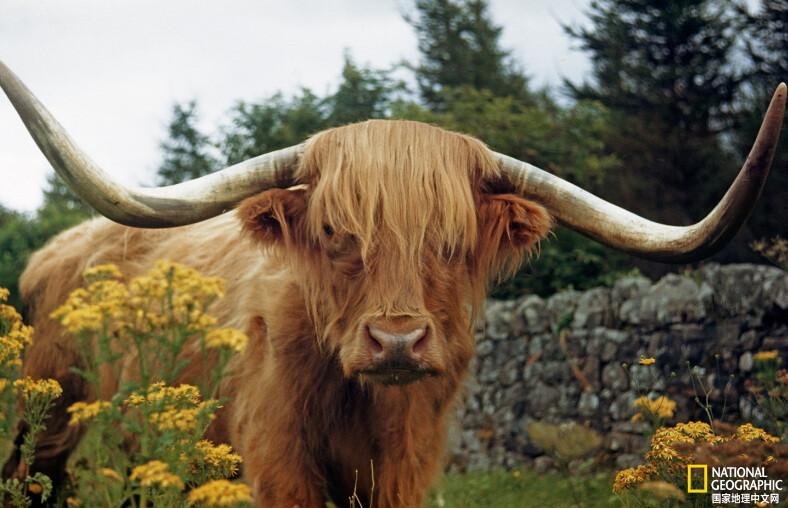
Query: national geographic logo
point(705, 487)
point(734, 484)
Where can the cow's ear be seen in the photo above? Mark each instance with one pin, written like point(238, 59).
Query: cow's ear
point(275, 216)
point(509, 229)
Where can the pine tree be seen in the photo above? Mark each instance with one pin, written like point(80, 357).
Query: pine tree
point(363, 93)
point(766, 39)
point(665, 70)
point(186, 149)
point(460, 45)
point(58, 195)
point(276, 122)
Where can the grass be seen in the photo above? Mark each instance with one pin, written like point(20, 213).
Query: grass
point(529, 489)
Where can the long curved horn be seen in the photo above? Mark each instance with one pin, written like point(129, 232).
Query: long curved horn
point(175, 205)
point(623, 230)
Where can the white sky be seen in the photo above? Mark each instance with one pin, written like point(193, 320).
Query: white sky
point(110, 70)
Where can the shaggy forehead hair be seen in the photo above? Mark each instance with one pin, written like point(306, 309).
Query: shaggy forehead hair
point(397, 184)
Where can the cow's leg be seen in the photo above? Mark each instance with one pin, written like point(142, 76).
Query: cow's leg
point(284, 483)
point(269, 432)
point(403, 478)
point(411, 448)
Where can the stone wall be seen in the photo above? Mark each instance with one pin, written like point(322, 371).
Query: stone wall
point(711, 321)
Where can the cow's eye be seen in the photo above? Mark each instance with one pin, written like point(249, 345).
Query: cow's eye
point(328, 230)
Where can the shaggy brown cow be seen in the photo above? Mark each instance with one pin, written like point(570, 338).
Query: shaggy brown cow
point(358, 288)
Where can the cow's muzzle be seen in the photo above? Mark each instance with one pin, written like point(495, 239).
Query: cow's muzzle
point(397, 349)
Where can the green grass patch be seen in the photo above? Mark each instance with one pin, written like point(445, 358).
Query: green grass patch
point(528, 489)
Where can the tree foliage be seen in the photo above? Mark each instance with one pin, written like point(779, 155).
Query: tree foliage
point(279, 121)
point(22, 234)
point(766, 38)
point(58, 195)
point(460, 45)
point(186, 150)
point(665, 70)
point(276, 122)
point(363, 93)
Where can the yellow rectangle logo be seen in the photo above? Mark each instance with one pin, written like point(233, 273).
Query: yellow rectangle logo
point(705, 469)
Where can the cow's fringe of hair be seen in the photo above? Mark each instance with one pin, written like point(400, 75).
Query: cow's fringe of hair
point(365, 177)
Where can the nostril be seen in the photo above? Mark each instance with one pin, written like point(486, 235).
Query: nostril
point(374, 344)
point(421, 343)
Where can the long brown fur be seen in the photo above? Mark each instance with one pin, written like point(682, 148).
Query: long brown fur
point(392, 223)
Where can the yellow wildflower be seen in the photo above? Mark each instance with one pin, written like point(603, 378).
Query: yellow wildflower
point(8, 313)
point(109, 473)
point(159, 392)
point(184, 420)
point(72, 501)
point(199, 321)
point(747, 432)
point(221, 493)
point(662, 490)
point(4, 293)
point(662, 444)
point(14, 336)
point(765, 355)
point(83, 411)
point(629, 478)
point(187, 280)
point(109, 271)
point(35, 488)
point(646, 361)
point(155, 473)
point(662, 407)
point(516, 474)
point(79, 320)
point(227, 338)
point(217, 458)
point(30, 388)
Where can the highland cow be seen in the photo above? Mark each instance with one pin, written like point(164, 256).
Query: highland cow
point(357, 275)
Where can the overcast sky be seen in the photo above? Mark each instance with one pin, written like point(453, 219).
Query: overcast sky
point(110, 70)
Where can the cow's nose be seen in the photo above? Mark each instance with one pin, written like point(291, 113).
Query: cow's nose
point(404, 342)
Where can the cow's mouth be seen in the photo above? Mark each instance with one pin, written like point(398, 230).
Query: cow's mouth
point(396, 373)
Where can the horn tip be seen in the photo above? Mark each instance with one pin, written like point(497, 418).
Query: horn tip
point(779, 93)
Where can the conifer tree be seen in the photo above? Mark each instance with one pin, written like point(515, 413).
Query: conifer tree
point(185, 151)
point(460, 46)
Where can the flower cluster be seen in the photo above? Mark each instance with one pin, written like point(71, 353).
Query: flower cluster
point(143, 334)
point(221, 493)
point(102, 272)
point(155, 474)
point(673, 448)
point(86, 310)
point(661, 407)
point(37, 389)
point(182, 294)
point(183, 420)
point(214, 461)
point(747, 432)
point(159, 393)
point(171, 295)
point(109, 473)
point(83, 411)
point(171, 408)
point(632, 477)
point(227, 338)
point(14, 336)
point(764, 356)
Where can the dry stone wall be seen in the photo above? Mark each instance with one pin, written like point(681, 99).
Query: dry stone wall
point(711, 321)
